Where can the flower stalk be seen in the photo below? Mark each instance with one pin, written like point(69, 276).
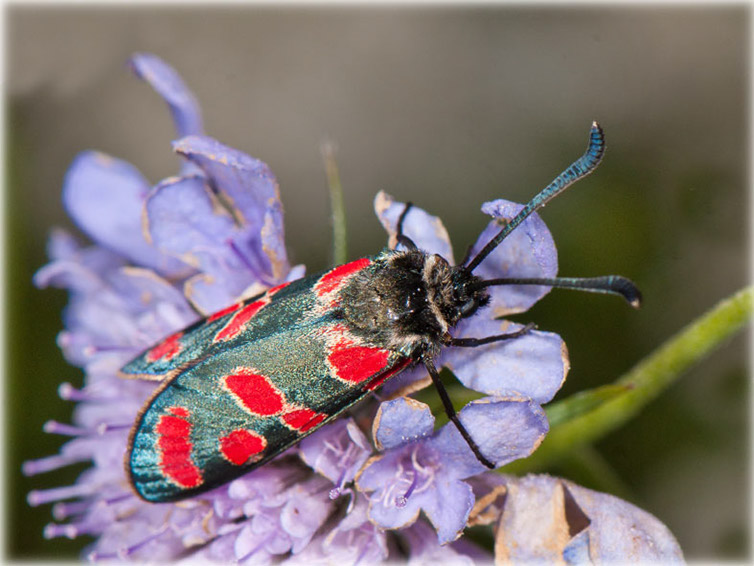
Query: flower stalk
point(337, 204)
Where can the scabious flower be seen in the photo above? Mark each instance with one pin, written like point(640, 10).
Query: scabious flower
point(195, 243)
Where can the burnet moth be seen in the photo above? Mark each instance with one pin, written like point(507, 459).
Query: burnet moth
point(244, 384)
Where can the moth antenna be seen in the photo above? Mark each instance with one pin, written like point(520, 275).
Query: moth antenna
point(577, 170)
point(400, 237)
point(608, 284)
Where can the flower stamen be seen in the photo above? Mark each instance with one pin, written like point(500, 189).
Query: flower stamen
point(402, 500)
point(62, 511)
point(55, 427)
point(125, 552)
point(70, 530)
point(103, 428)
point(68, 392)
point(42, 496)
point(49, 463)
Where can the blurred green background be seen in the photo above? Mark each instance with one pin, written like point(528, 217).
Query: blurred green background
point(447, 107)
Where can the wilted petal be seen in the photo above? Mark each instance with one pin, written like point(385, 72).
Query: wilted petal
point(528, 251)
point(547, 519)
point(533, 526)
point(621, 532)
point(249, 190)
point(162, 78)
point(533, 365)
point(426, 231)
point(400, 421)
point(577, 551)
point(105, 196)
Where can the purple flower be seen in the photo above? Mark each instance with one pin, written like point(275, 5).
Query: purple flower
point(193, 244)
point(421, 470)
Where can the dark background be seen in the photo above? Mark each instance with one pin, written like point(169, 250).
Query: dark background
point(447, 107)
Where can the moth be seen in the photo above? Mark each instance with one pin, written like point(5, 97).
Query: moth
point(244, 384)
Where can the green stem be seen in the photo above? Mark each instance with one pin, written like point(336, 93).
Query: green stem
point(340, 250)
point(642, 383)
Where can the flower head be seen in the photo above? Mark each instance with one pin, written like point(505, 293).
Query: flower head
point(163, 256)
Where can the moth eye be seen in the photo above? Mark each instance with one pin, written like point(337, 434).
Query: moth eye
point(407, 303)
point(467, 307)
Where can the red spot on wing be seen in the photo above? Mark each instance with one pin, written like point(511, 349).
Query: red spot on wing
point(167, 349)
point(334, 278)
point(174, 445)
point(303, 419)
point(379, 380)
point(238, 323)
point(219, 314)
point(179, 411)
point(241, 445)
point(256, 393)
point(277, 288)
point(357, 363)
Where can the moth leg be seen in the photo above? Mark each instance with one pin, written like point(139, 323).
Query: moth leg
point(401, 238)
point(451, 412)
point(474, 342)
